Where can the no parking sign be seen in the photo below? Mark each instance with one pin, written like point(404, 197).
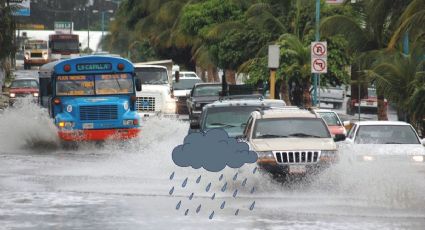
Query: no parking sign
point(319, 57)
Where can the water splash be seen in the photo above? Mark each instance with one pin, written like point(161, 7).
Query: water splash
point(208, 187)
point(172, 176)
point(235, 193)
point(235, 176)
point(198, 180)
point(254, 171)
point(187, 211)
point(224, 187)
point(237, 212)
point(244, 182)
point(191, 196)
point(213, 197)
point(222, 205)
point(211, 215)
point(220, 178)
point(252, 190)
point(198, 209)
point(252, 206)
point(184, 183)
point(171, 191)
point(178, 205)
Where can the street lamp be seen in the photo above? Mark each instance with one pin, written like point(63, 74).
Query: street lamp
point(103, 18)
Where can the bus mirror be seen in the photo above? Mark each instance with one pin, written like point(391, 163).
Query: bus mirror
point(177, 76)
point(138, 85)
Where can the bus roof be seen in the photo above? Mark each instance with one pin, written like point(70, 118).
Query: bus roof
point(87, 65)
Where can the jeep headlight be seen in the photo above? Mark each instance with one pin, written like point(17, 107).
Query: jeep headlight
point(265, 156)
point(418, 158)
point(328, 155)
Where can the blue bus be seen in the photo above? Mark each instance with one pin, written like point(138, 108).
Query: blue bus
point(91, 98)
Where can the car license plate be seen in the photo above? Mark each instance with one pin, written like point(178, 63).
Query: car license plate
point(87, 125)
point(297, 169)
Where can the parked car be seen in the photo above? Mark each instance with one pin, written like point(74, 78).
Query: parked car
point(291, 141)
point(201, 95)
point(23, 88)
point(334, 123)
point(232, 115)
point(332, 95)
point(368, 104)
point(182, 89)
point(385, 140)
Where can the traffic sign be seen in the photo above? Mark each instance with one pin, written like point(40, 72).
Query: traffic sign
point(319, 55)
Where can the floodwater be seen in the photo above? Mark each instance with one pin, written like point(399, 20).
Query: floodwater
point(128, 186)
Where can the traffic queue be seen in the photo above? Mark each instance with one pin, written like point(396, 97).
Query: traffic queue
point(97, 98)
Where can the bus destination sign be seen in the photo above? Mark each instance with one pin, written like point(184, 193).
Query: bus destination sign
point(94, 67)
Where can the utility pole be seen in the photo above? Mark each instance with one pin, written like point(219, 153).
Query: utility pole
point(316, 75)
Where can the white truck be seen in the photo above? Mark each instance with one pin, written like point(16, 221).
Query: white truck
point(156, 97)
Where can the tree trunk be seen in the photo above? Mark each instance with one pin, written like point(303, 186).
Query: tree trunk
point(306, 94)
point(382, 109)
point(210, 73)
point(284, 90)
point(230, 77)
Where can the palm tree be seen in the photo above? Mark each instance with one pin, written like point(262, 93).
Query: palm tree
point(369, 29)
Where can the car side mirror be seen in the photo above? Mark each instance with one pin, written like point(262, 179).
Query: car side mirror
point(177, 76)
point(348, 95)
point(138, 85)
point(339, 137)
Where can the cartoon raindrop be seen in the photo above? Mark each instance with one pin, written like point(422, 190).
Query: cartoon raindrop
point(224, 187)
point(184, 183)
point(255, 170)
point(198, 180)
point(244, 182)
point(172, 176)
point(235, 176)
point(221, 177)
point(208, 187)
point(252, 190)
point(252, 206)
point(222, 204)
point(178, 205)
point(237, 212)
point(235, 193)
point(191, 196)
point(198, 209)
point(187, 211)
point(212, 215)
point(213, 197)
point(171, 191)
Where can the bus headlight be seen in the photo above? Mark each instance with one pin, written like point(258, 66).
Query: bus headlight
point(418, 158)
point(12, 95)
point(66, 124)
point(45, 56)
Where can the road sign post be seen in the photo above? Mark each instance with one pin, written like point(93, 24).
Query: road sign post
point(273, 64)
point(318, 63)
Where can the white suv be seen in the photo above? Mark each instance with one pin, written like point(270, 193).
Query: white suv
point(291, 141)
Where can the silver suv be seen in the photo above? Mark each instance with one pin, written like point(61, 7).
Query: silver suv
point(291, 141)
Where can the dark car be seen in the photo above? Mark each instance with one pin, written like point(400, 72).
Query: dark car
point(201, 95)
point(232, 115)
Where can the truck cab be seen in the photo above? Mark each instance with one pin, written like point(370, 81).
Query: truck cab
point(156, 98)
point(36, 53)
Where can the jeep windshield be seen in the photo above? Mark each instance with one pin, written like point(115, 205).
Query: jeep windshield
point(152, 75)
point(290, 128)
point(184, 84)
point(102, 84)
point(231, 118)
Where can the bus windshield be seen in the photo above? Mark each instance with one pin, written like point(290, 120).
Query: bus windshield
point(100, 84)
point(70, 45)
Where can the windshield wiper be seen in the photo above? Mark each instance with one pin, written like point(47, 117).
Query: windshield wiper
point(303, 135)
point(271, 136)
point(392, 142)
point(223, 125)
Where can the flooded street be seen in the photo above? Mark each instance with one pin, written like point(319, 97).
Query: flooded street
point(127, 186)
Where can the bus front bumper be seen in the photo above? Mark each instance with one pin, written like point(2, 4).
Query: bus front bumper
point(98, 135)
